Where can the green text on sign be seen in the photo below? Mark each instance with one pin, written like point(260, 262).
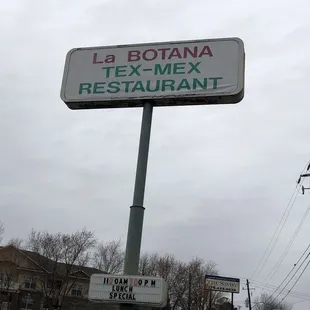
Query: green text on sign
point(168, 85)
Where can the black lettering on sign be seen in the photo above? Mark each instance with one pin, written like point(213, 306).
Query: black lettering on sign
point(141, 282)
point(123, 296)
point(118, 288)
point(121, 281)
point(127, 296)
point(132, 282)
point(124, 281)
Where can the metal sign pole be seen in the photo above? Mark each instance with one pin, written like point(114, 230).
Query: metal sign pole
point(135, 225)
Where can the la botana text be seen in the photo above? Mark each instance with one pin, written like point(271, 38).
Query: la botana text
point(172, 62)
point(122, 288)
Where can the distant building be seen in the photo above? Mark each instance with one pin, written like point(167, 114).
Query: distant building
point(29, 281)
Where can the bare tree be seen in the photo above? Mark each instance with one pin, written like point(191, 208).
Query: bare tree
point(185, 280)
point(148, 264)
point(109, 257)
point(179, 284)
point(1, 231)
point(60, 256)
point(172, 270)
point(7, 281)
point(267, 302)
point(197, 296)
point(16, 242)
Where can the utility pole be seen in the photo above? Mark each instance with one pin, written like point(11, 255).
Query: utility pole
point(249, 294)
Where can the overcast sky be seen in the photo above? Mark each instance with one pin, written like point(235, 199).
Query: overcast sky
point(219, 177)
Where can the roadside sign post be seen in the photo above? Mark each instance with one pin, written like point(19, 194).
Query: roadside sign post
point(222, 284)
point(197, 72)
point(139, 290)
point(232, 301)
point(135, 225)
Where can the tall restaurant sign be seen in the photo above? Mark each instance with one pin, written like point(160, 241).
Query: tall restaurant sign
point(166, 74)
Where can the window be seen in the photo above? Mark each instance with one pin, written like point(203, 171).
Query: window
point(55, 285)
point(27, 302)
point(76, 290)
point(30, 283)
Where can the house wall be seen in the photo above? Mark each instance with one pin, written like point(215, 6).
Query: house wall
point(23, 267)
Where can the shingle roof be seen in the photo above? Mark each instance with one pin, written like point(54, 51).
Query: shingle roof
point(49, 264)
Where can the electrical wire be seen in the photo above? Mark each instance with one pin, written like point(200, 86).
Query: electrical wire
point(303, 271)
point(295, 265)
point(274, 239)
point(272, 288)
point(284, 290)
point(300, 297)
point(292, 277)
point(276, 235)
point(294, 294)
point(286, 250)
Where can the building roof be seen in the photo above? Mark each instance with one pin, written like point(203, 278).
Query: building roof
point(49, 265)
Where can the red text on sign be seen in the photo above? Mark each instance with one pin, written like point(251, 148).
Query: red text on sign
point(169, 53)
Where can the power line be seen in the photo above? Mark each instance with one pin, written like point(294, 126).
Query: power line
point(300, 297)
point(272, 288)
point(291, 294)
point(284, 290)
point(297, 279)
point(298, 261)
point(274, 239)
point(292, 277)
point(277, 233)
point(286, 250)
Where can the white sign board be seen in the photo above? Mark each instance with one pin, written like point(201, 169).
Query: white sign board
point(139, 290)
point(222, 284)
point(168, 74)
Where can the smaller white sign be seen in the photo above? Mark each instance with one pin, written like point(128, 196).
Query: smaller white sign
point(139, 290)
point(222, 284)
